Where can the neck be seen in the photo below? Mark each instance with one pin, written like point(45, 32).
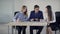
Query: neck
point(36, 12)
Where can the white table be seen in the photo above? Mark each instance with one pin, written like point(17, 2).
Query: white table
point(26, 24)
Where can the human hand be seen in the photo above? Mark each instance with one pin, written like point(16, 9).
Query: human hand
point(32, 20)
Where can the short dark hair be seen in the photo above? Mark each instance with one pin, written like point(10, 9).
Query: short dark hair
point(36, 6)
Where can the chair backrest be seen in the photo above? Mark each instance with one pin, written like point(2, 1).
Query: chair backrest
point(16, 12)
point(57, 17)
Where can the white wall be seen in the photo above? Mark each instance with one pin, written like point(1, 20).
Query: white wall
point(6, 10)
point(42, 3)
point(7, 7)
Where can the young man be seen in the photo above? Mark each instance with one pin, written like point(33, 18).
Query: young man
point(36, 15)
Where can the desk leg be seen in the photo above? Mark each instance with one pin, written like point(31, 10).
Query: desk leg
point(8, 29)
point(12, 30)
point(15, 29)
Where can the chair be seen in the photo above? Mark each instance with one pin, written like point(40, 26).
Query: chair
point(56, 25)
point(16, 12)
point(58, 20)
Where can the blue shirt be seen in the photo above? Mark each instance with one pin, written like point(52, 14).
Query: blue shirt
point(34, 15)
point(21, 17)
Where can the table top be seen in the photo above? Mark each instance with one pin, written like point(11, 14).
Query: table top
point(27, 23)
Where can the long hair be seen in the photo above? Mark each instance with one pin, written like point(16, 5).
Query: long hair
point(23, 7)
point(49, 11)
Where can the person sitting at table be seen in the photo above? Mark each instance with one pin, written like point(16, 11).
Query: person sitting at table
point(50, 18)
point(21, 16)
point(36, 15)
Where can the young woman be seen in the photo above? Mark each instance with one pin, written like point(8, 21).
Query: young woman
point(50, 18)
point(21, 16)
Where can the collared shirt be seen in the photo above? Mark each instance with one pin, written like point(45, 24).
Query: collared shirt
point(20, 16)
point(34, 15)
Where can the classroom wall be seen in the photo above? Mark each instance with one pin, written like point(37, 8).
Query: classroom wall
point(8, 7)
point(6, 10)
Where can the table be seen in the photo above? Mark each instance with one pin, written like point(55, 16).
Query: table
point(10, 24)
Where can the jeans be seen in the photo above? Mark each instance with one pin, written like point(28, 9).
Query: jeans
point(39, 28)
point(21, 28)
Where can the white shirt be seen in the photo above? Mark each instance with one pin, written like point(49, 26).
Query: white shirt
point(53, 17)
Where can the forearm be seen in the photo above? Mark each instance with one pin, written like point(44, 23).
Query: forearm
point(17, 20)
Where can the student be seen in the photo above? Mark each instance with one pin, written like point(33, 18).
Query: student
point(50, 18)
point(36, 15)
point(21, 16)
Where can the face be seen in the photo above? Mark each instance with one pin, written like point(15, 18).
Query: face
point(36, 9)
point(24, 9)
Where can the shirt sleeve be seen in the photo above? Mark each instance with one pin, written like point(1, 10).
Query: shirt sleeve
point(53, 18)
point(31, 15)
